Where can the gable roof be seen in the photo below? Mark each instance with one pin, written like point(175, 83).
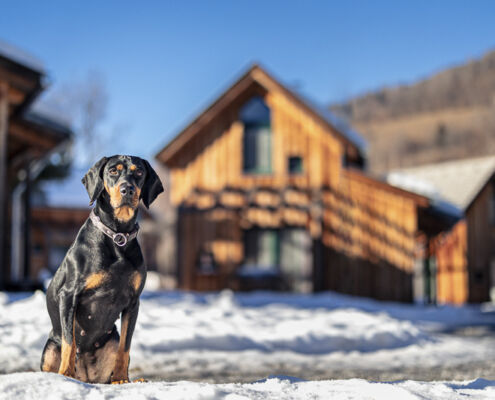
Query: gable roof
point(256, 74)
point(457, 182)
point(15, 55)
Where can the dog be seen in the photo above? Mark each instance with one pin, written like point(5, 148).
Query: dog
point(101, 276)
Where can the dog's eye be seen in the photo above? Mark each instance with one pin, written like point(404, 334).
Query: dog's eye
point(113, 171)
point(139, 172)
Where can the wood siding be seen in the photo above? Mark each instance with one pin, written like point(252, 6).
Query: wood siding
point(480, 244)
point(214, 161)
point(450, 250)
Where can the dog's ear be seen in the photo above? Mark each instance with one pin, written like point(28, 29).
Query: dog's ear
point(93, 180)
point(152, 185)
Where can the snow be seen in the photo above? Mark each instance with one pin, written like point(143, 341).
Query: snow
point(213, 337)
point(53, 386)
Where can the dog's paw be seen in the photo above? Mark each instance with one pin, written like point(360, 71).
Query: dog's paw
point(120, 382)
point(70, 373)
point(140, 380)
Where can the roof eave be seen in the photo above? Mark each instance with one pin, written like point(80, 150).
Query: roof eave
point(253, 74)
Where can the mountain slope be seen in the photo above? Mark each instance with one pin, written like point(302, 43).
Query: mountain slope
point(448, 115)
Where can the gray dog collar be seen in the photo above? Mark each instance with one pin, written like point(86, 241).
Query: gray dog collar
point(120, 239)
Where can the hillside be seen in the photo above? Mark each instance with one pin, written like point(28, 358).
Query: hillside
point(448, 115)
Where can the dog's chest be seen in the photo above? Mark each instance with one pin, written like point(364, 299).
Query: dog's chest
point(109, 281)
point(106, 294)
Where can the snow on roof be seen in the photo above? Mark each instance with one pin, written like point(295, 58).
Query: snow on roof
point(42, 113)
point(456, 182)
point(21, 57)
point(67, 193)
point(340, 124)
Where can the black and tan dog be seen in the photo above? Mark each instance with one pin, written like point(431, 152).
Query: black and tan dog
point(101, 277)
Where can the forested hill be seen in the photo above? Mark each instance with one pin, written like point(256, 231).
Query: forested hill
point(450, 114)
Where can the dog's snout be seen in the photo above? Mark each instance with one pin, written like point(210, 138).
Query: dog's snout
point(126, 189)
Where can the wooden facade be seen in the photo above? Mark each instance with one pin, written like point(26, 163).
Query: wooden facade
point(360, 234)
point(450, 250)
point(25, 138)
point(480, 226)
point(461, 260)
point(53, 229)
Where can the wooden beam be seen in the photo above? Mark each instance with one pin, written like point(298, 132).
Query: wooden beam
point(4, 109)
point(31, 137)
point(23, 82)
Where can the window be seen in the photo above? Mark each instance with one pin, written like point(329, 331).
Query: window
point(257, 152)
point(261, 248)
point(295, 165)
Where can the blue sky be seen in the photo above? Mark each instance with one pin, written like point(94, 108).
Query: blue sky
point(165, 61)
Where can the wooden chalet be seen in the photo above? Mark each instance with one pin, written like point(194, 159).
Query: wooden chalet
point(26, 138)
point(461, 263)
point(271, 193)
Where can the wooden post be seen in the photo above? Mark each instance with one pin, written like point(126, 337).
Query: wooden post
point(27, 227)
point(4, 110)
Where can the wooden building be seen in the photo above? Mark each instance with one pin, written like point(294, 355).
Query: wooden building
point(26, 138)
point(271, 193)
point(463, 259)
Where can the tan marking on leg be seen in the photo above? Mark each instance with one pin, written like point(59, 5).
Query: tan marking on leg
point(68, 354)
point(95, 280)
point(51, 359)
point(136, 281)
point(120, 371)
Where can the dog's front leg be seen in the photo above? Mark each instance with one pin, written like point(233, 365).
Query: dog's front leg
point(121, 369)
point(67, 307)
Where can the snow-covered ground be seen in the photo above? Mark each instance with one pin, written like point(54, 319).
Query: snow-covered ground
point(224, 337)
point(39, 385)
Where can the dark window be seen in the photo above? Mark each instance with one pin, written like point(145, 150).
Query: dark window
point(261, 248)
point(295, 165)
point(257, 151)
point(206, 262)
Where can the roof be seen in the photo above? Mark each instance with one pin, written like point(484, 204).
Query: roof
point(418, 198)
point(35, 113)
point(456, 182)
point(256, 74)
point(45, 116)
point(65, 193)
point(338, 123)
point(20, 57)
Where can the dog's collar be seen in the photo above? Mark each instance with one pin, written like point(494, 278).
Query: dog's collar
point(120, 239)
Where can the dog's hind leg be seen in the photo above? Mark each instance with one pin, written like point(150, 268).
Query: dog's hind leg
point(50, 359)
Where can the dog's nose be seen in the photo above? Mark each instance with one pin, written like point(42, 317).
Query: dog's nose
point(126, 189)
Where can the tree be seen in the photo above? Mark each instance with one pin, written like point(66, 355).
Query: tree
point(84, 103)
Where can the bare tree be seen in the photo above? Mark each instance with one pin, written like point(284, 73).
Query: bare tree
point(84, 103)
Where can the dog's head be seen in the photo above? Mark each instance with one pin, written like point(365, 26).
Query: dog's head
point(123, 180)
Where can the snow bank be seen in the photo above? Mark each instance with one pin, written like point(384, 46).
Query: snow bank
point(179, 322)
point(52, 386)
point(180, 333)
point(220, 322)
